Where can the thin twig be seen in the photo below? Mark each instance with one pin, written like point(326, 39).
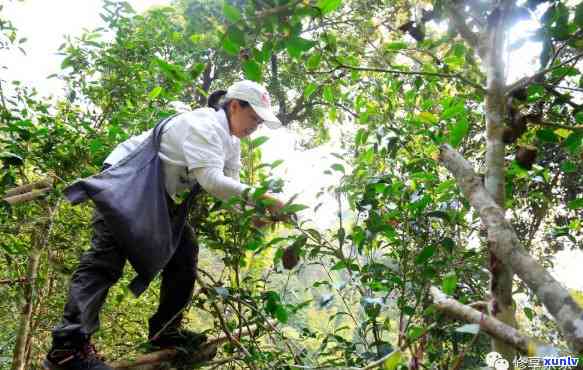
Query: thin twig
point(411, 73)
point(563, 87)
point(523, 82)
point(216, 364)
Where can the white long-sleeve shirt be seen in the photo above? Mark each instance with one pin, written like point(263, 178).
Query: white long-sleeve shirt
point(196, 146)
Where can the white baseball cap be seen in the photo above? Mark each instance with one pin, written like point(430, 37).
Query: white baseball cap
point(258, 97)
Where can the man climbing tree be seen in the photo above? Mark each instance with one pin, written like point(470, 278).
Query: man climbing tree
point(137, 220)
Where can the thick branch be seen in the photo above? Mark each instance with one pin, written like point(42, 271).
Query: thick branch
point(14, 281)
point(524, 82)
point(21, 198)
point(507, 247)
point(489, 324)
point(168, 354)
point(44, 183)
point(24, 329)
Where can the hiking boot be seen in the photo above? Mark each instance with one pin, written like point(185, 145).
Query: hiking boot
point(83, 358)
point(176, 337)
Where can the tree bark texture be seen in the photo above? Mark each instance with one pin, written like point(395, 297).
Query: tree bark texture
point(501, 275)
point(20, 354)
point(21, 198)
point(489, 324)
point(45, 183)
point(507, 247)
point(39, 240)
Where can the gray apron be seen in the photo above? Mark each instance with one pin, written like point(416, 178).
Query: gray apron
point(131, 196)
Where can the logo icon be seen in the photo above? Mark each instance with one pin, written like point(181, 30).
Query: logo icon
point(496, 361)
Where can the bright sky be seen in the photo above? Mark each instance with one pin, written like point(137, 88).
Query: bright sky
point(45, 23)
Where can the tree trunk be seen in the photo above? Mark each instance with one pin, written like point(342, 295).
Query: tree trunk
point(20, 355)
point(39, 240)
point(501, 275)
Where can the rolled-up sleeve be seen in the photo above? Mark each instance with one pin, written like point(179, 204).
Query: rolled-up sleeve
point(216, 183)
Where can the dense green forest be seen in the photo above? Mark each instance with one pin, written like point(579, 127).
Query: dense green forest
point(457, 188)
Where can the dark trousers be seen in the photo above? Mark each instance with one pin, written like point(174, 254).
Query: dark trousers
point(102, 266)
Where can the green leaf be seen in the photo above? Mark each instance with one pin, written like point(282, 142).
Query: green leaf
point(297, 45)
point(428, 117)
point(171, 71)
point(195, 38)
point(392, 361)
point(253, 245)
point(229, 46)
point(196, 70)
point(345, 265)
point(327, 6)
point(528, 312)
point(361, 137)
point(449, 283)
point(469, 329)
point(293, 208)
point(397, 45)
point(575, 204)
point(547, 135)
point(95, 145)
point(448, 244)
point(415, 332)
point(579, 15)
point(338, 167)
point(281, 314)
point(573, 142)
point(237, 35)
point(568, 166)
point(458, 132)
point(535, 92)
point(252, 70)
point(453, 111)
point(425, 254)
point(231, 13)
point(276, 163)
point(155, 92)
point(579, 117)
point(328, 94)
point(257, 142)
point(314, 61)
point(309, 90)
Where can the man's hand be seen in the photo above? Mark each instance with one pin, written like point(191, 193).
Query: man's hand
point(274, 208)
